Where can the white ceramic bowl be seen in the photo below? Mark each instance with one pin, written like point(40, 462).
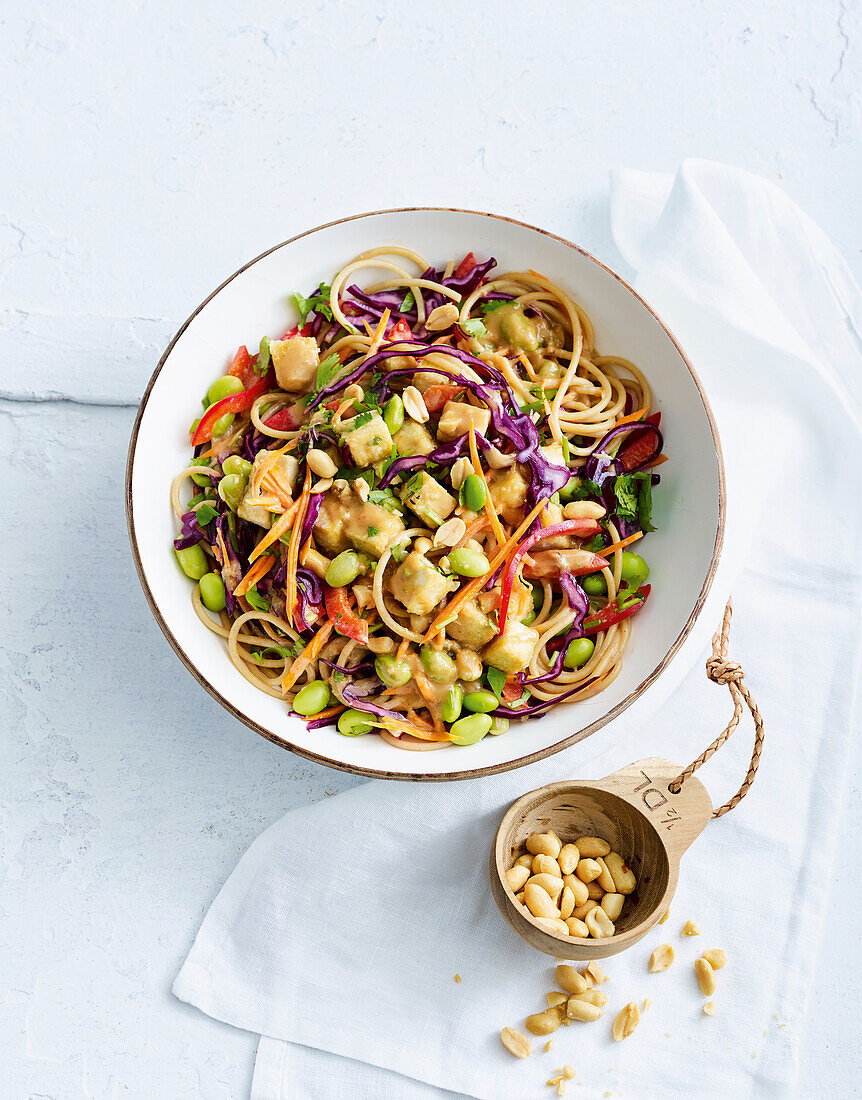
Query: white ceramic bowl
point(689, 504)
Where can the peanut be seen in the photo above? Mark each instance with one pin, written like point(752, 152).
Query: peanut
point(570, 979)
point(627, 1020)
point(592, 846)
point(539, 901)
point(715, 957)
point(577, 928)
point(556, 998)
point(581, 912)
point(596, 973)
point(451, 532)
point(320, 463)
point(666, 915)
point(709, 1009)
point(578, 888)
point(661, 958)
point(568, 858)
point(554, 925)
point(516, 1042)
point(414, 405)
point(587, 870)
point(516, 877)
point(623, 876)
point(600, 924)
point(543, 844)
point(593, 997)
point(552, 886)
point(519, 897)
point(567, 903)
point(521, 861)
point(583, 509)
point(705, 977)
point(583, 1011)
point(690, 928)
point(441, 317)
point(595, 891)
point(546, 865)
point(544, 1023)
point(613, 905)
point(604, 880)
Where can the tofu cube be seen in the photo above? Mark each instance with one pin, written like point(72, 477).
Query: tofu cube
point(472, 628)
point(283, 470)
point(367, 438)
point(456, 419)
point(418, 585)
point(553, 453)
point(370, 528)
point(253, 513)
point(508, 489)
point(329, 533)
point(413, 439)
point(513, 650)
point(296, 361)
point(428, 499)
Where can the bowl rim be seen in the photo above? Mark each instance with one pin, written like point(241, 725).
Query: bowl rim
point(466, 773)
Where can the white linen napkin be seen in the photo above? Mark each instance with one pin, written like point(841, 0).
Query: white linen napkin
point(339, 934)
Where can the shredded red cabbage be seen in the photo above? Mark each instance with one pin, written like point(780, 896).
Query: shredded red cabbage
point(536, 710)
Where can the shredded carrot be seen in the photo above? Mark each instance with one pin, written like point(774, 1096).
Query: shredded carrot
point(330, 712)
point(490, 512)
point(427, 694)
point(378, 332)
point(636, 415)
point(421, 732)
point(528, 366)
point(368, 329)
point(620, 545)
point(475, 527)
point(275, 532)
point(402, 648)
point(469, 590)
point(259, 569)
point(307, 656)
point(293, 548)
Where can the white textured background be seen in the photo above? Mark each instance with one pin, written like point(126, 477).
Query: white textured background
point(146, 151)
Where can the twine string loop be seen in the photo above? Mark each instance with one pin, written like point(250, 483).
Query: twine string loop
point(728, 673)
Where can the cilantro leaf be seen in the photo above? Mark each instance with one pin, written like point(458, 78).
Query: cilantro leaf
point(595, 544)
point(474, 327)
point(317, 303)
point(272, 652)
point(205, 514)
point(496, 682)
point(495, 303)
point(255, 600)
point(326, 372)
point(373, 532)
point(408, 303)
point(645, 504)
point(627, 497)
point(361, 419)
point(414, 484)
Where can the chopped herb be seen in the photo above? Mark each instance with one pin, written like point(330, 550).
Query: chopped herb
point(317, 303)
point(567, 453)
point(399, 552)
point(387, 462)
point(360, 420)
point(595, 544)
point(496, 682)
point(373, 532)
point(495, 303)
point(273, 652)
point(645, 504)
point(205, 514)
point(627, 497)
point(264, 357)
point(628, 599)
point(414, 484)
point(255, 600)
point(326, 372)
point(408, 303)
point(376, 441)
point(383, 498)
point(474, 327)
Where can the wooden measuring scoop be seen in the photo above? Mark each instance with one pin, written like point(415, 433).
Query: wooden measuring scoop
point(632, 810)
point(649, 812)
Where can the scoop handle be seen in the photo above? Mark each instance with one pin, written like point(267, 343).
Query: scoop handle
point(677, 818)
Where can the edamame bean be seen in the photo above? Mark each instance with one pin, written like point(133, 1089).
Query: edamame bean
point(438, 665)
point(231, 489)
point(393, 413)
point(594, 584)
point(353, 723)
point(579, 652)
point(204, 480)
point(634, 569)
point(236, 464)
point(344, 569)
point(212, 592)
point(474, 493)
point(223, 387)
point(223, 423)
point(470, 730)
point(480, 702)
point(392, 672)
point(312, 698)
point(193, 561)
point(451, 708)
point(498, 726)
point(468, 563)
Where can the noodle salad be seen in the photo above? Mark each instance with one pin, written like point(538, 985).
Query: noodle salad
point(413, 513)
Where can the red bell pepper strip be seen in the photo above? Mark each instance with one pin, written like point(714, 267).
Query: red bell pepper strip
point(465, 266)
point(287, 419)
point(298, 330)
point(342, 615)
point(399, 331)
point(236, 402)
point(435, 397)
point(612, 614)
point(577, 527)
point(642, 448)
point(241, 367)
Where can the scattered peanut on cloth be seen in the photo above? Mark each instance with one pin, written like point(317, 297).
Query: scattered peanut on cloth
point(574, 890)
